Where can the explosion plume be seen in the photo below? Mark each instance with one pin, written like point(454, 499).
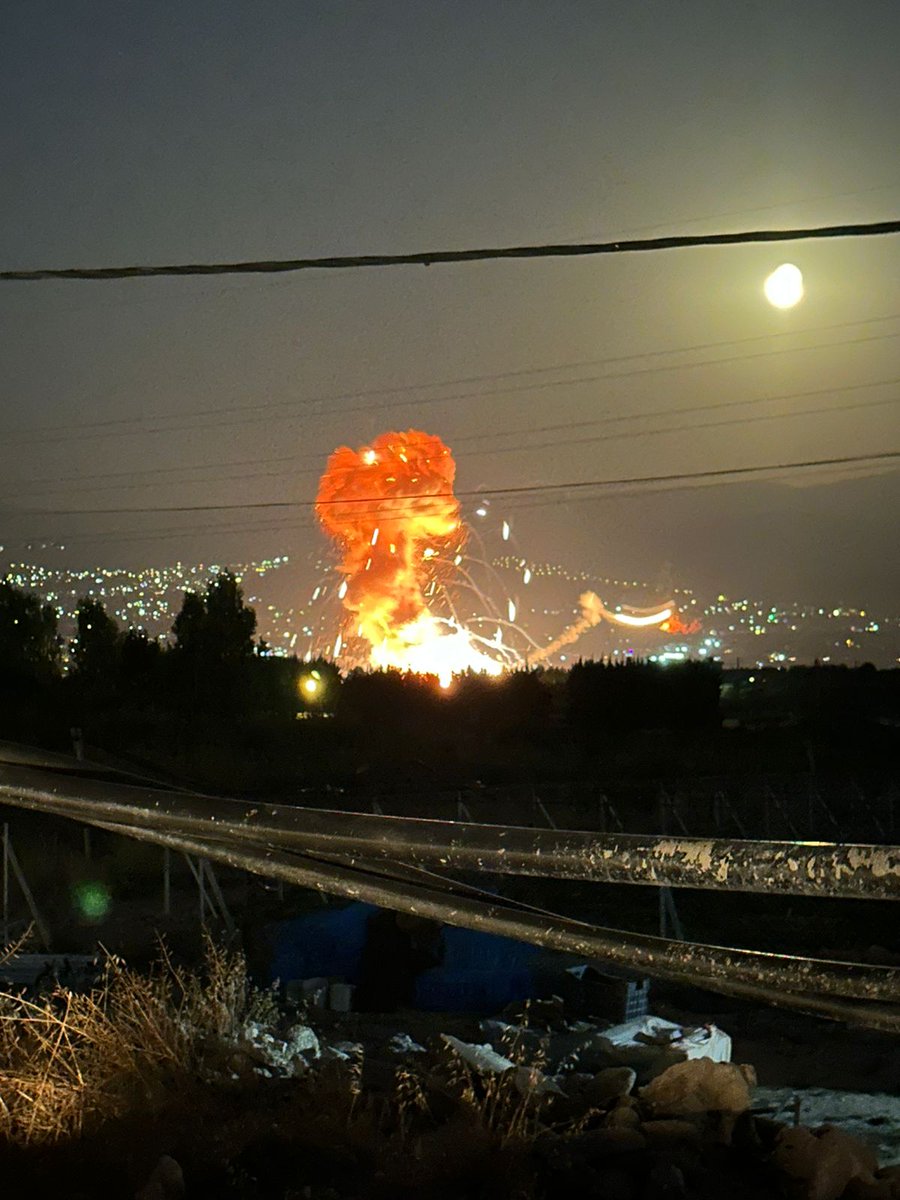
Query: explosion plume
point(674, 624)
point(390, 508)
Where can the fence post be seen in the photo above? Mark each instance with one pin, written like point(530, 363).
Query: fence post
point(5, 884)
point(12, 860)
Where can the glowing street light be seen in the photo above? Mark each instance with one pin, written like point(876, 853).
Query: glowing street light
point(311, 685)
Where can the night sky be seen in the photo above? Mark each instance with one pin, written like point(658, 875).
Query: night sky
point(134, 132)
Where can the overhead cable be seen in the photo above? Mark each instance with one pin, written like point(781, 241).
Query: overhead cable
point(430, 258)
point(389, 506)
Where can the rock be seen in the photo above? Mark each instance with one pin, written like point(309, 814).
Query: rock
point(598, 1143)
point(824, 1162)
point(874, 1189)
point(665, 1182)
point(402, 1043)
point(700, 1085)
point(166, 1182)
point(672, 1130)
point(613, 1183)
point(623, 1116)
point(609, 1085)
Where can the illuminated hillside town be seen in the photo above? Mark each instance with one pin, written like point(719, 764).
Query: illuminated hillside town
point(736, 631)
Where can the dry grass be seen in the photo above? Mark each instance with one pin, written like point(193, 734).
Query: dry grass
point(72, 1060)
point(166, 1053)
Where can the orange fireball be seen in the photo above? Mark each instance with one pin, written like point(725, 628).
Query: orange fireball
point(391, 510)
point(674, 624)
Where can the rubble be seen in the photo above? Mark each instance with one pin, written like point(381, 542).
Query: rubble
point(402, 1043)
point(530, 1080)
point(699, 1086)
point(282, 1056)
point(647, 1110)
point(166, 1181)
point(610, 1084)
point(825, 1161)
point(871, 1116)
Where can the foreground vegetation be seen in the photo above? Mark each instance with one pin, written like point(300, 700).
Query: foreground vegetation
point(180, 1082)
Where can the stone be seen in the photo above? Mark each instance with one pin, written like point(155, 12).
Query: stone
point(166, 1182)
point(700, 1085)
point(612, 1183)
point(873, 1189)
point(665, 1182)
point(623, 1116)
point(598, 1143)
point(825, 1162)
point(672, 1130)
point(608, 1085)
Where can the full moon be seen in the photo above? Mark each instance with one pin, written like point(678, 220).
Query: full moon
point(784, 287)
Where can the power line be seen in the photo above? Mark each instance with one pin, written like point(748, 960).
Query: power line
point(286, 523)
point(491, 377)
point(92, 431)
point(619, 434)
point(515, 490)
point(429, 258)
point(295, 470)
point(744, 212)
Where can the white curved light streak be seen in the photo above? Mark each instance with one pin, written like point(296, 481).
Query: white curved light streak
point(656, 618)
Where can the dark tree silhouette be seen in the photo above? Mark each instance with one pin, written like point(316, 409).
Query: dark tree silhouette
point(217, 627)
point(29, 642)
point(29, 667)
point(214, 653)
point(95, 650)
point(140, 657)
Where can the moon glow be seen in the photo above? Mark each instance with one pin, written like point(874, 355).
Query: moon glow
point(784, 287)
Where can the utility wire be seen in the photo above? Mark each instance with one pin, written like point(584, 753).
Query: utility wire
point(429, 258)
point(90, 432)
point(391, 505)
point(388, 393)
point(295, 470)
point(287, 524)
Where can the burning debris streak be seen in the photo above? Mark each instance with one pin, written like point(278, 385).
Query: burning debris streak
point(593, 611)
point(674, 624)
point(391, 510)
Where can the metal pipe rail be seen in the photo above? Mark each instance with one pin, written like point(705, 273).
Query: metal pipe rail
point(342, 863)
point(697, 966)
point(664, 958)
point(821, 869)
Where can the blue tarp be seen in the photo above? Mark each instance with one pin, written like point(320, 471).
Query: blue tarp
point(480, 972)
point(327, 943)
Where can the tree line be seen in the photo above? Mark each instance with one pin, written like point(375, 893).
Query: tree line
point(213, 701)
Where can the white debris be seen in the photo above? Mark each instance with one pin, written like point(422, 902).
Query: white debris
point(530, 1081)
point(345, 1050)
point(283, 1056)
point(704, 1041)
point(402, 1043)
point(484, 1059)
